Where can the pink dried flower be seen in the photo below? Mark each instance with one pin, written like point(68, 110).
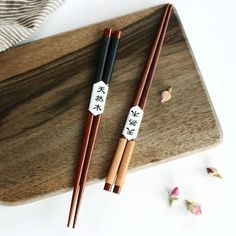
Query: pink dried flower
point(174, 195)
point(166, 95)
point(193, 207)
point(213, 172)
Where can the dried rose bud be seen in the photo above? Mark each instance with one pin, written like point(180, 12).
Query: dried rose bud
point(166, 95)
point(213, 172)
point(174, 195)
point(193, 207)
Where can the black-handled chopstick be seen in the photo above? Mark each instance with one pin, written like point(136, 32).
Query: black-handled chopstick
point(98, 77)
point(99, 89)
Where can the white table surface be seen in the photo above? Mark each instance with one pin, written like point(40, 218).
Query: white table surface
point(142, 208)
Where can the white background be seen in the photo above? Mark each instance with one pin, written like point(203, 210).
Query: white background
point(142, 208)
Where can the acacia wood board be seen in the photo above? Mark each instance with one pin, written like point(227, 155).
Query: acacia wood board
point(45, 88)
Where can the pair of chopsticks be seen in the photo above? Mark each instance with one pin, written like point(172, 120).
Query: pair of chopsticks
point(123, 154)
point(104, 69)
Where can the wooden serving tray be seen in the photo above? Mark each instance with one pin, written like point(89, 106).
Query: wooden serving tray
point(44, 94)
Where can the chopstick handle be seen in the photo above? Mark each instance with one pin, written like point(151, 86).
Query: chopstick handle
point(124, 166)
point(103, 55)
point(111, 56)
point(115, 164)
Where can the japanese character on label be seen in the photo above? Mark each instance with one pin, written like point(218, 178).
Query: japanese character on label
point(99, 98)
point(130, 131)
point(132, 122)
point(135, 113)
point(97, 107)
point(101, 89)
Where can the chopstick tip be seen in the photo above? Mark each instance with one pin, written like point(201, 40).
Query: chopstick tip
point(74, 223)
point(69, 220)
point(117, 34)
point(107, 32)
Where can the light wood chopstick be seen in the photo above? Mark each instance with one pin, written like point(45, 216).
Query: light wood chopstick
point(123, 141)
point(131, 143)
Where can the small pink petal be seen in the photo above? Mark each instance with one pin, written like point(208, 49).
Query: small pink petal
point(173, 195)
point(193, 207)
point(197, 210)
point(166, 95)
point(175, 192)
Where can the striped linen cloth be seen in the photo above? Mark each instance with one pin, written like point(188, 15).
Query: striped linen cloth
point(20, 18)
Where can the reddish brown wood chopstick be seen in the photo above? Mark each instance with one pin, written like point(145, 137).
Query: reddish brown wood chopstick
point(80, 164)
point(92, 126)
point(150, 59)
point(125, 148)
point(92, 140)
point(99, 73)
point(154, 64)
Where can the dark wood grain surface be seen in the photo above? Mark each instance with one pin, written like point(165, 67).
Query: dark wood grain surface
point(44, 93)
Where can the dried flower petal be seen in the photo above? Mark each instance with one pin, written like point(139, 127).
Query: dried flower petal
point(174, 195)
point(193, 207)
point(166, 95)
point(213, 172)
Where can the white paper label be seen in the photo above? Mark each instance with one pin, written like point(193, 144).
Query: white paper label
point(133, 123)
point(98, 98)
